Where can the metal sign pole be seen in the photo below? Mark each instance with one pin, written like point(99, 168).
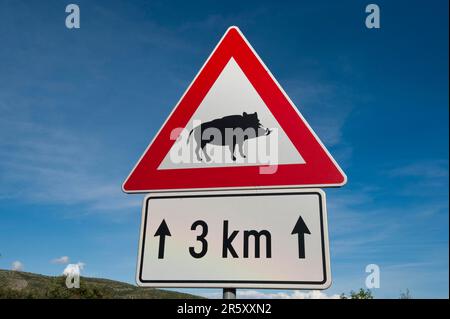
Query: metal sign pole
point(229, 293)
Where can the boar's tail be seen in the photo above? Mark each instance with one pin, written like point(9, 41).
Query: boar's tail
point(187, 141)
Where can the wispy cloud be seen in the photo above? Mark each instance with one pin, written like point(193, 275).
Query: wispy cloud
point(426, 169)
point(54, 165)
point(427, 177)
point(296, 294)
point(325, 105)
point(363, 222)
point(61, 260)
point(260, 294)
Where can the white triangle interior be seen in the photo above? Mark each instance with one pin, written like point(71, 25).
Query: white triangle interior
point(233, 94)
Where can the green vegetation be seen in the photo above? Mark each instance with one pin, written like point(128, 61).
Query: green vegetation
point(361, 294)
point(23, 285)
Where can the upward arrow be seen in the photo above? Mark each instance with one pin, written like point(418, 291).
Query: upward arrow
point(301, 229)
point(162, 232)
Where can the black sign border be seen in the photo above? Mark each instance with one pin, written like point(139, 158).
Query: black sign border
point(219, 282)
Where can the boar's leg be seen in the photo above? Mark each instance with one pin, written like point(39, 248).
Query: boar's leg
point(198, 137)
point(241, 149)
point(197, 152)
point(232, 147)
point(204, 151)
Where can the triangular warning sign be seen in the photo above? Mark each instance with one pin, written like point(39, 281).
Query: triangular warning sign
point(234, 127)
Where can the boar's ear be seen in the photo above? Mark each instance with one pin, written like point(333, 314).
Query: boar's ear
point(255, 114)
point(244, 114)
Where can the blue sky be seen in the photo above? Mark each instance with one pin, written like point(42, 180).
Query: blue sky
point(78, 107)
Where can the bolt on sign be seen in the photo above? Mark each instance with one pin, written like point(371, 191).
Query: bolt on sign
point(230, 176)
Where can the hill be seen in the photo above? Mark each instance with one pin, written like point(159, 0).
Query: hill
point(17, 284)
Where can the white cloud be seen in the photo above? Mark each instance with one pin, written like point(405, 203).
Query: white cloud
point(259, 294)
point(296, 294)
point(61, 260)
point(74, 269)
point(17, 266)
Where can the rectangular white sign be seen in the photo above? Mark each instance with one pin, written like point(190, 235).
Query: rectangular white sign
point(239, 239)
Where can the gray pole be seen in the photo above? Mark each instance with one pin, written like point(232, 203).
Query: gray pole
point(229, 293)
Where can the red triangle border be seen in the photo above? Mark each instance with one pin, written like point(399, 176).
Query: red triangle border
point(320, 169)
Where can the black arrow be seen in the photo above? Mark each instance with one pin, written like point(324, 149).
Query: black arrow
point(301, 229)
point(162, 231)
